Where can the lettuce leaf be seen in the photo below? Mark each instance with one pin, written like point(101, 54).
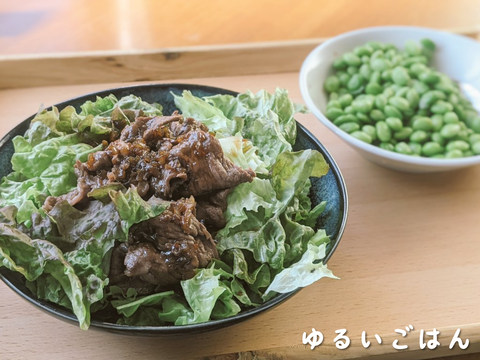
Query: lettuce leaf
point(242, 153)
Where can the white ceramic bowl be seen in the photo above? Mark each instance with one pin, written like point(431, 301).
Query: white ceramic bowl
point(456, 56)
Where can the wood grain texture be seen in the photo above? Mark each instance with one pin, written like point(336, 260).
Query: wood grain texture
point(52, 26)
point(410, 255)
point(187, 62)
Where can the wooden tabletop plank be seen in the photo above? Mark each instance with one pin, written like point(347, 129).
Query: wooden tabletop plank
point(410, 255)
point(52, 26)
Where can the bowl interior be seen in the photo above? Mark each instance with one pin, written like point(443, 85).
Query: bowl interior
point(330, 188)
point(455, 55)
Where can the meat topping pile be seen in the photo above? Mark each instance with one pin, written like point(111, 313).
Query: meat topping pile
point(171, 158)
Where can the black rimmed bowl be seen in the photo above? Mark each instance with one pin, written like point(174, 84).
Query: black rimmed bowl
point(330, 188)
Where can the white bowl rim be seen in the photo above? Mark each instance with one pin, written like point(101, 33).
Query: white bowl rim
point(431, 162)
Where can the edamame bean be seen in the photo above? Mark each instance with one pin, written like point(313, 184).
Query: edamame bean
point(449, 131)
point(392, 111)
point(378, 64)
point(380, 101)
point(332, 83)
point(436, 137)
point(339, 64)
point(352, 70)
point(384, 133)
point(412, 48)
point(428, 44)
point(412, 97)
point(363, 118)
point(474, 138)
point(450, 118)
point(387, 146)
point(377, 115)
point(365, 71)
point(351, 59)
point(476, 148)
point(394, 123)
point(370, 130)
point(439, 156)
point(400, 103)
point(373, 88)
point(431, 148)
point(420, 87)
point(419, 136)
point(422, 123)
point(403, 148)
point(437, 122)
point(362, 105)
point(457, 145)
point(345, 100)
point(428, 99)
point(441, 107)
point(333, 113)
point(388, 92)
point(349, 110)
point(416, 148)
point(334, 103)
point(403, 134)
point(429, 77)
point(363, 50)
point(345, 119)
point(350, 127)
point(402, 92)
point(360, 135)
point(400, 76)
point(453, 154)
point(468, 153)
point(355, 82)
point(344, 78)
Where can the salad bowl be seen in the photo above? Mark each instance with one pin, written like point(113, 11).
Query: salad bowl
point(330, 188)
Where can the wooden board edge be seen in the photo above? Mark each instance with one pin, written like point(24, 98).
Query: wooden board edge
point(375, 351)
point(163, 64)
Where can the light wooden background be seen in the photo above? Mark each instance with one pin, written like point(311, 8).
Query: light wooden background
point(39, 26)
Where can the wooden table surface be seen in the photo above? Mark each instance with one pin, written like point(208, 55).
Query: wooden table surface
point(46, 26)
point(410, 255)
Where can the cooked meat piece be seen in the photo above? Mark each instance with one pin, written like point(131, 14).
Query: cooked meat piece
point(201, 154)
point(211, 208)
point(168, 248)
point(168, 156)
point(74, 197)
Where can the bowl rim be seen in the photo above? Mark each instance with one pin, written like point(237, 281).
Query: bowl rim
point(425, 161)
point(68, 316)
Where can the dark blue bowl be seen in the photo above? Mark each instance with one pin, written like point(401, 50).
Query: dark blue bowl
point(330, 188)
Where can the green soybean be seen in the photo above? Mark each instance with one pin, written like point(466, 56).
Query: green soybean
point(403, 134)
point(400, 103)
point(379, 64)
point(432, 148)
point(373, 88)
point(400, 76)
point(349, 110)
point(474, 138)
point(392, 111)
point(387, 146)
point(453, 154)
point(333, 113)
point(412, 97)
point(351, 59)
point(384, 133)
point(360, 135)
point(403, 148)
point(380, 101)
point(370, 130)
point(350, 127)
point(377, 115)
point(339, 64)
point(451, 118)
point(394, 123)
point(422, 123)
point(332, 83)
point(441, 107)
point(457, 145)
point(476, 148)
point(355, 82)
point(428, 99)
point(449, 131)
point(436, 137)
point(345, 119)
point(419, 136)
point(362, 105)
point(429, 77)
point(412, 48)
point(363, 118)
point(334, 103)
point(437, 121)
point(416, 148)
point(428, 44)
point(345, 100)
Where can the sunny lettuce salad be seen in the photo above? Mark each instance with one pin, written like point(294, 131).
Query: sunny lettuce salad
point(268, 246)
